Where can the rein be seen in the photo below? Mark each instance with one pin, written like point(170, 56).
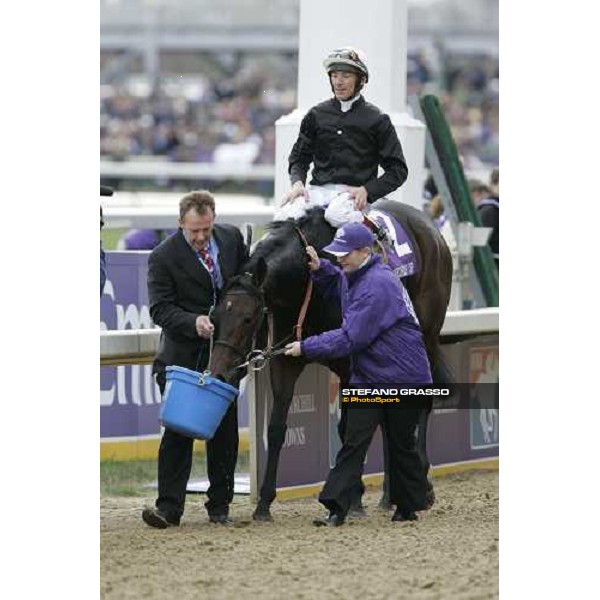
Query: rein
point(307, 295)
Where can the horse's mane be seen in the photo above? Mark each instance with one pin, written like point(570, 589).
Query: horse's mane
point(282, 240)
point(282, 248)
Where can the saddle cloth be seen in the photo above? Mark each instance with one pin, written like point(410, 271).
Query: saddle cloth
point(400, 253)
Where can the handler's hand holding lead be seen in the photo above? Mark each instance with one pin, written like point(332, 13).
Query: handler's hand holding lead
point(204, 328)
point(315, 262)
point(293, 349)
point(297, 190)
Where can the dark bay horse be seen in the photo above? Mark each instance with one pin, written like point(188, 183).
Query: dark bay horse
point(276, 280)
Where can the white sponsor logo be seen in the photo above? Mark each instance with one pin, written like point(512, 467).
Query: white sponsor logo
point(295, 436)
point(409, 305)
point(142, 388)
point(303, 403)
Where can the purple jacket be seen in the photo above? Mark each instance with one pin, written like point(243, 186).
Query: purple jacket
point(379, 332)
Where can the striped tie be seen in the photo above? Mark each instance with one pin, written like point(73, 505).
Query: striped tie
point(208, 261)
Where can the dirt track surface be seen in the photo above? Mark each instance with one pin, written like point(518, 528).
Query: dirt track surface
point(451, 552)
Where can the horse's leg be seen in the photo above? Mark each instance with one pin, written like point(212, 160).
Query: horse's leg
point(284, 374)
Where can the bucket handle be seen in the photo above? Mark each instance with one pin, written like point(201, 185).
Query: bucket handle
point(206, 373)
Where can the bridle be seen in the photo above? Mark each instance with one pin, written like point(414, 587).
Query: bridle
point(257, 359)
point(256, 292)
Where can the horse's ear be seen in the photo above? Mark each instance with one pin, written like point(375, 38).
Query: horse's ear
point(260, 272)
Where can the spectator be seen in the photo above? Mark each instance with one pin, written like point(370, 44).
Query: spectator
point(102, 259)
point(489, 213)
point(104, 191)
point(479, 191)
point(139, 239)
point(188, 121)
point(435, 208)
point(186, 274)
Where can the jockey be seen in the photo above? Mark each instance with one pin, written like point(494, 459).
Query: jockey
point(346, 139)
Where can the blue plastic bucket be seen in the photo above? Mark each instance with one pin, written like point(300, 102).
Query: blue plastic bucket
point(194, 405)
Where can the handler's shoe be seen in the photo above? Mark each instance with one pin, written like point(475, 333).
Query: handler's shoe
point(220, 519)
point(331, 520)
point(405, 516)
point(155, 518)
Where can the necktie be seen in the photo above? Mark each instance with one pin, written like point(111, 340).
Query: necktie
point(207, 259)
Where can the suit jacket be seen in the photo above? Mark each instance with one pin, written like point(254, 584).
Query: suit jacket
point(180, 289)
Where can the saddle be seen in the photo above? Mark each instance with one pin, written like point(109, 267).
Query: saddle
point(396, 244)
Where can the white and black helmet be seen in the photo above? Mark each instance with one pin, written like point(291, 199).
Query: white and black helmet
point(347, 59)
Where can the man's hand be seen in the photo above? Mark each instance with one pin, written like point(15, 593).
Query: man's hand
point(293, 349)
point(315, 262)
point(204, 328)
point(360, 196)
point(297, 190)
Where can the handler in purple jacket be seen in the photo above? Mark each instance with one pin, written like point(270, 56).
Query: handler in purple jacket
point(380, 334)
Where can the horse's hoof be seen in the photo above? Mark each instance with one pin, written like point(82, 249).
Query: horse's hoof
point(385, 504)
point(358, 512)
point(429, 499)
point(263, 516)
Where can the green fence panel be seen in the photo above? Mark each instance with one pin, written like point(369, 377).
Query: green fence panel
point(445, 148)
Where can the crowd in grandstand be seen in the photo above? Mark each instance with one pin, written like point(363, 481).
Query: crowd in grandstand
point(229, 116)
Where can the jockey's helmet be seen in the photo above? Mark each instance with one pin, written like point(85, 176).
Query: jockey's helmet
point(347, 59)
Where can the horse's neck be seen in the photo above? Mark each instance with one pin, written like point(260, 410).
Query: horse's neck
point(285, 289)
point(319, 233)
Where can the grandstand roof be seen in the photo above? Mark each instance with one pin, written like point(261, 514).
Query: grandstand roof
point(273, 24)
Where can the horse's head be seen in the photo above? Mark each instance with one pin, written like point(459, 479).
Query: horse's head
point(237, 317)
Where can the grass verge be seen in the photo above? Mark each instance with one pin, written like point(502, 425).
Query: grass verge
point(133, 477)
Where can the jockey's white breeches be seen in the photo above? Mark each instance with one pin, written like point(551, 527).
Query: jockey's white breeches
point(333, 197)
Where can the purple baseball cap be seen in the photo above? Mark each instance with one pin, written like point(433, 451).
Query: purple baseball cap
point(141, 239)
point(352, 236)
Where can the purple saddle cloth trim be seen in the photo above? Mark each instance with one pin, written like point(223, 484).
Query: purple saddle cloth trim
point(401, 256)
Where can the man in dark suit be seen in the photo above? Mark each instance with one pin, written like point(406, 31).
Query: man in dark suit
point(186, 274)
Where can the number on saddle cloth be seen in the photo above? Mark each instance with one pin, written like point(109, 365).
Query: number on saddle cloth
point(401, 256)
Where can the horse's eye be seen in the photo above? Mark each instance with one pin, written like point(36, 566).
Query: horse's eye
point(247, 320)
